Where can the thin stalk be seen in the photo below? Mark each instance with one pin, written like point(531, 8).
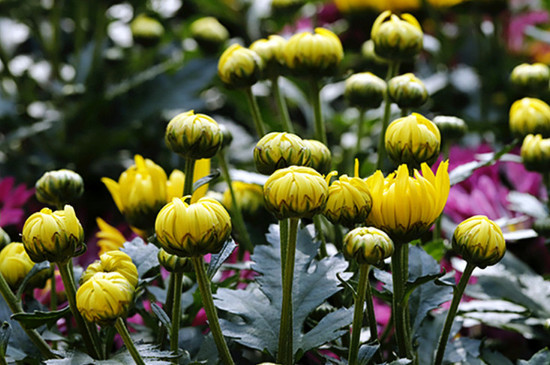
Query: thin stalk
point(398, 302)
point(255, 110)
point(319, 233)
point(53, 289)
point(281, 105)
point(176, 312)
point(404, 112)
point(89, 333)
point(357, 323)
point(285, 353)
point(393, 68)
point(211, 313)
point(319, 126)
point(109, 339)
point(168, 309)
point(15, 306)
point(457, 295)
point(283, 232)
point(372, 318)
point(236, 209)
point(123, 332)
point(360, 131)
point(189, 172)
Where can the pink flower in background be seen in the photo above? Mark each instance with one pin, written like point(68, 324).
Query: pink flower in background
point(12, 199)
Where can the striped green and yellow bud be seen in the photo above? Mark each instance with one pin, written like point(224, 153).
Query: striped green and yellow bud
point(277, 150)
point(407, 91)
point(321, 157)
point(535, 153)
point(397, 38)
point(365, 90)
point(530, 116)
point(174, 263)
point(59, 187)
point(240, 67)
point(271, 50)
point(349, 201)
point(531, 77)
point(367, 245)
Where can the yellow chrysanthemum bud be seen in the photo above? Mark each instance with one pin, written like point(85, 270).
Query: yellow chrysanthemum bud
point(321, 158)
point(365, 90)
point(4, 238)
point(277, 150)
point(59, 187)
point(397, 37)
point(105, 297)
point(209, 33)
point(314, 55)
point(535, 152)
point(140, 192)
point(90, 271)
point(368, 53)
point(239, 67)
point(349, 201)
point(113, 261)
point(193, 135)
point(450, 127)
point(367, 245)
point(407, 91)
point(15, 264)
point(295, 192)
point(530, 116)
point(405, 207)
point(174, 263)
point(533, 77)
point(271, 50)
point(53, 236)
point(146, 31)
point(250, 197)
point(108, 237)
point(413, 140)
point(479, 241)
point(191, 230)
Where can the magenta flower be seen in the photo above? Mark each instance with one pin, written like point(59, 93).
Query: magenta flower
point(12, 199)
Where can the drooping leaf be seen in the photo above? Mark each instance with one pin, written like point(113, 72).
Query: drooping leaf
point(45, 265)
point(540, 358)
point(143, 255)
point(212, 176)
point(40, 318)
point(218, 259)
point(494, 358)
point(366, 352)
point(162, 316)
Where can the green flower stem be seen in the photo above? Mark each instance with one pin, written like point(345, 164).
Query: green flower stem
point(87, 330)
point(360, 132)
point(393, 68)
point(281, 105)
point(15, 306)
point(53, 289)
point(283, 233)
point(399, 302)
point(167, 308)
point(357, 324)
point(189, 172)
point(235, 207)
point(211, 313)
point(457, 295)
point(318, 224)
point(176, 312)
point(123, 332)
point(319, 130)
point(285, 353)
point(255, 110)
point(372, 318)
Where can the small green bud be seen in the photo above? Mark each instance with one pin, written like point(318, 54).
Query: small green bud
point(174, 263)
point(535, 153)
point(146, 31)
point(58, 188)
point(240, 67)
point(450, 127)
point(277, 150)
point(367, 245)
point(209, 33)
point(396, 37)
point(365, 90)
point(407, 91)
point(532, 77)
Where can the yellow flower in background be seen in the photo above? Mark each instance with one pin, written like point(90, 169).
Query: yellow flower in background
point(295, 192)
point(239, 66)
point(105, 297)
point(479, 241)
point(174, 186)
point(15, 264)
point(530, 116)
point(317, 54)
point(191, 230)
point(109, 238)
point(53, 236)
point(405, 207)
point(59, 187)
point(534, 77)
point(249, 196)
point(535, 152)
point(113, 261)
point(367, 245)
point(413, 140)
point(397, 37)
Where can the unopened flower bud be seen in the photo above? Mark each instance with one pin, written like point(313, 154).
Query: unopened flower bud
point(146, 31)
point(122, 263)
point(295, 192)
point(59, 187)
point(277, 150)
point(209, 33)
point(397, 37)
point(314, 55)
point(105, 297)
point(532, 77)
point(249, 196)
point(191, 230)
point(349, 201)
point(53, 236)
point(407, 91)
point(15, 264)
point(4, 238)
point(195, 136)
point(367, 245)
point(479, 241)
point(412, 140)
point(174, 263)
point(271, 50)
point(530, 116)
point(535, 153)
point(450, 127)
point(321, 158)
point(240, 67)
point(365, 90)
point(368, 53)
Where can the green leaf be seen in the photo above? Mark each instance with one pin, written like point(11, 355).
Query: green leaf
point(40, 318)
point(45, 265)
point(150, 354)
point(366, 352)
point(218, 259)
point(540, 358)
point(162, 316)
point(436, 249)
point(143, 255)
point(5, 333)
point(257, 309)
point(494, 358)
point(207, 179)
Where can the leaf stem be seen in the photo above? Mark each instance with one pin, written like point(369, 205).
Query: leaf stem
point(167, 308)
point(393, 68)
point(319, 130)
point(176, 312)
point(457, 295)
point(211, 313)
point(188, 180)
point(281, 105)
point(255, 110)
point(123, 332)
point(360, 132)
point(357, 324)
point(283, 234)
point(399, 303)
point(285, 353)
